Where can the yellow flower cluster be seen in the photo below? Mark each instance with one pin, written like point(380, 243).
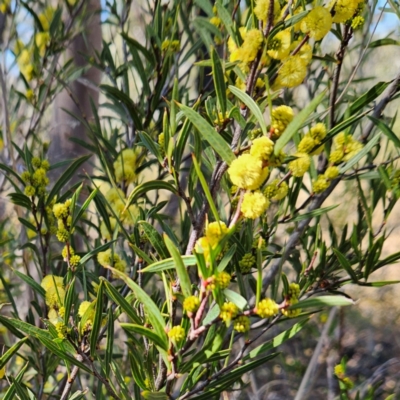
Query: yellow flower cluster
point(228, 312)
point(55, 292)
point(254, 204)
point(4, 6)
point(109, 259)
point(343, 10)
point(64, 220)
point(191, 304)
point(292, 298)
point(262, 148)
point(317, 23)
point(222, 280)
point(247, 52)
point(247, 262)
point(171, 45)
point(37, 180)
point(267, 308)
point(323, 181)
point(73, 258)
point(301, 165)
point(261, 10)
point(275, 192)
point(83, 308)
point(125, 166)
point(281, 117)
point(279, 46)
point(176, 334)
point(310, 143)
point(345, 148)
point(242, 324)
point(215, 231)
point(292, 72)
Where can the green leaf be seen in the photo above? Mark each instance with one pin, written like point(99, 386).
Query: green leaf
point(383, 42)
point(365, 150)
point(65, 177)
point(209, 134)
point(227, 258)
point(344, 262)
point(251, 105)
point(53, 347)
point(367, 97)
point(146, 187)
point(386, 130)
point(152, 311)
point(219, 81)
point(235, 298)
point(137, 369)
point(378, 283)
point(168, 263)
point(85, 205)
point(180, 267)
point(277, 340)
point(150, 145)
point(297, 122)
point(93, 252)
point(226, 19)
point(11, 351)
point(205, 187)
point(31, 282)
point(312, 214)
point(97, 321)
point(25, 327)
point(10, 171)
point(118, 299)
point(322, 301)
point(11, 390)
point(154, 238)
point(151, 335)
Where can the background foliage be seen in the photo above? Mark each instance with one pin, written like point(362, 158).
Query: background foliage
point(169, 197)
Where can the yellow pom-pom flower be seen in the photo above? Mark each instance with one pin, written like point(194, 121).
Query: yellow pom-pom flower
point(125, 166)
point(343, 10)
point(318, 132)
point(222, 280)
point(203, 247)
point(247, 262)
point(191, 304)
point(262, 148)
point(292, 72)
point(331, 172)
point(50, 281)
point(215, 231)
point(301, 165)
point(307, 144)
point(267, 308)
point(281, 118)
point(279, 46)
point(254, 204)
point(317, 23)
point(321, 184)
point(228, 312)
point(275, 192)
point(242, 324)
point(55, 297)
point(246, 172)
point(291, 313)
point(83, 308)
point(261, 10)
point(176, 334)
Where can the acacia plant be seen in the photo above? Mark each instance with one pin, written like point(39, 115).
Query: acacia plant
point(200, 243)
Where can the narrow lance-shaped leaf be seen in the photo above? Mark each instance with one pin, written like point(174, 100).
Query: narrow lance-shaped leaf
point(180, 267)
point(297, 122)
point(209, 134)
point(153, 313)
point(205, 187)
point(323, 301)
point(251, 105)
point(97, 321)
point(146, 187)
point(150, 334)
point(219, 81)
point(168, 263)
point(11, 351)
